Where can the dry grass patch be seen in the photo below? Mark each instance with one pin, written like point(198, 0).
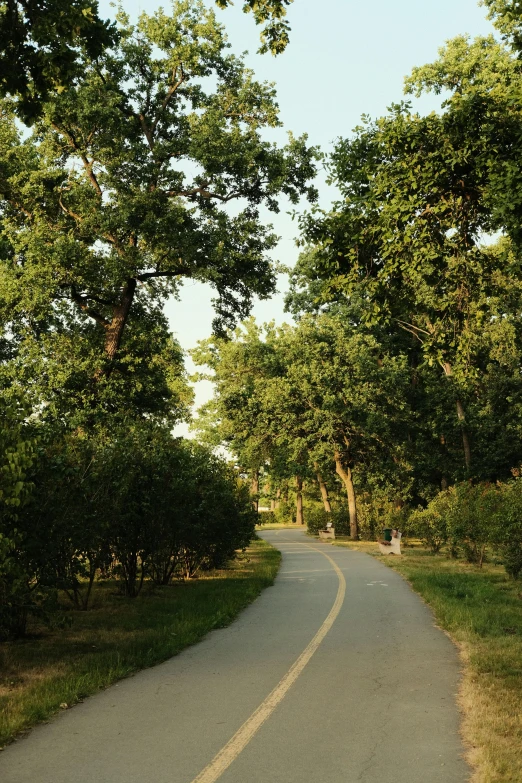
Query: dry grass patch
point(86, 651)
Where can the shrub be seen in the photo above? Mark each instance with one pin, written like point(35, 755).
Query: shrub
point(430, 525)
point(131, 504)
point(266, 518)
point(285, 513)
point(17, 594)
point(470, 518)
point(464, 516)
point(507, 527)
point(316, 518)
point(341, 520)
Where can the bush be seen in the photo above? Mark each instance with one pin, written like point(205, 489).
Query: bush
point(316, 518)
point(133, 504)
point(341, 520)
point(431, 524)
point(470, 518)
point(507, 527)
point(285, 513)
point(266, 518)
point(17, 590)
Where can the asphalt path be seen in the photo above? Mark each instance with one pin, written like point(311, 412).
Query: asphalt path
point(336, 674)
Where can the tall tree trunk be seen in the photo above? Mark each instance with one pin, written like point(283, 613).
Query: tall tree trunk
point(114, 331)
point(272, 505)
point(345, 475)
point(299, 517)
point(462, 418)
point(278, 499)
point(465, 437)
point(443, 480)
point(254, 490)
point(324, 491)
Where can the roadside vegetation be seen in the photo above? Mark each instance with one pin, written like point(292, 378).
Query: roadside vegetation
point(57, 665)
point(109, 201)
point(134, 157)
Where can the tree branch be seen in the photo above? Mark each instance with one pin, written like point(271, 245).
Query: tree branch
point(68, 211)
point(81, 301)
point(404, 324)
point(172, 89)
point(203, 192)
point(174, 273)
point(86, 163)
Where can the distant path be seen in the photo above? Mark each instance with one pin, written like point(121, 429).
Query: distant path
point(334, 675)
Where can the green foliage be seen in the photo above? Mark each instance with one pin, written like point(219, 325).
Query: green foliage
point(122, 190)
point(507, 531)
point(142, 137)
point(318, 397)
point(284, 512)
point(40, 47)
point(316, 518)
point(462, 515)
point(431, 524)
point(472, 519)
point(43, 44)
point(16, 456)
point(17, 450)
point(271, 13)
point(130, 504)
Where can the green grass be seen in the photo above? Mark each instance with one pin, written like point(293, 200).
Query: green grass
point(118, 636)
point(281, 526)
point(481, 609)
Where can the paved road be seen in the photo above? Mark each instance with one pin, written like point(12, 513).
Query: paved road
point(361, 689)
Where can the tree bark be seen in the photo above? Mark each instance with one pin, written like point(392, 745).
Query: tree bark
point(465, 437)
point(324, 492)
point(345, 475)
point(278, 499)
point(254, 490)
point(272, 505)
point(462, 418)
point(114, 331)
point(299, 517)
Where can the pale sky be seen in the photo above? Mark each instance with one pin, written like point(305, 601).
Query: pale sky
point(346, 58)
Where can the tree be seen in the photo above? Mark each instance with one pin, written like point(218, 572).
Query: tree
point(55, 360)
point(271, 13)
point(318, 395)
point(40, 47)
point(345, 397)
point(239, 367)
point(121, 191)
point(405, 242)
point(44, 41)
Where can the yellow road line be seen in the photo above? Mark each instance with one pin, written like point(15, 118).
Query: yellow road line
point(251, 726)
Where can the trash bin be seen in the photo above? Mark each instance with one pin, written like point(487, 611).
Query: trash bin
point(388, 533)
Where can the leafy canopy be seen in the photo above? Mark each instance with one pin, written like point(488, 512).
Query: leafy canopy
point(43, 43)
point(125, 186)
